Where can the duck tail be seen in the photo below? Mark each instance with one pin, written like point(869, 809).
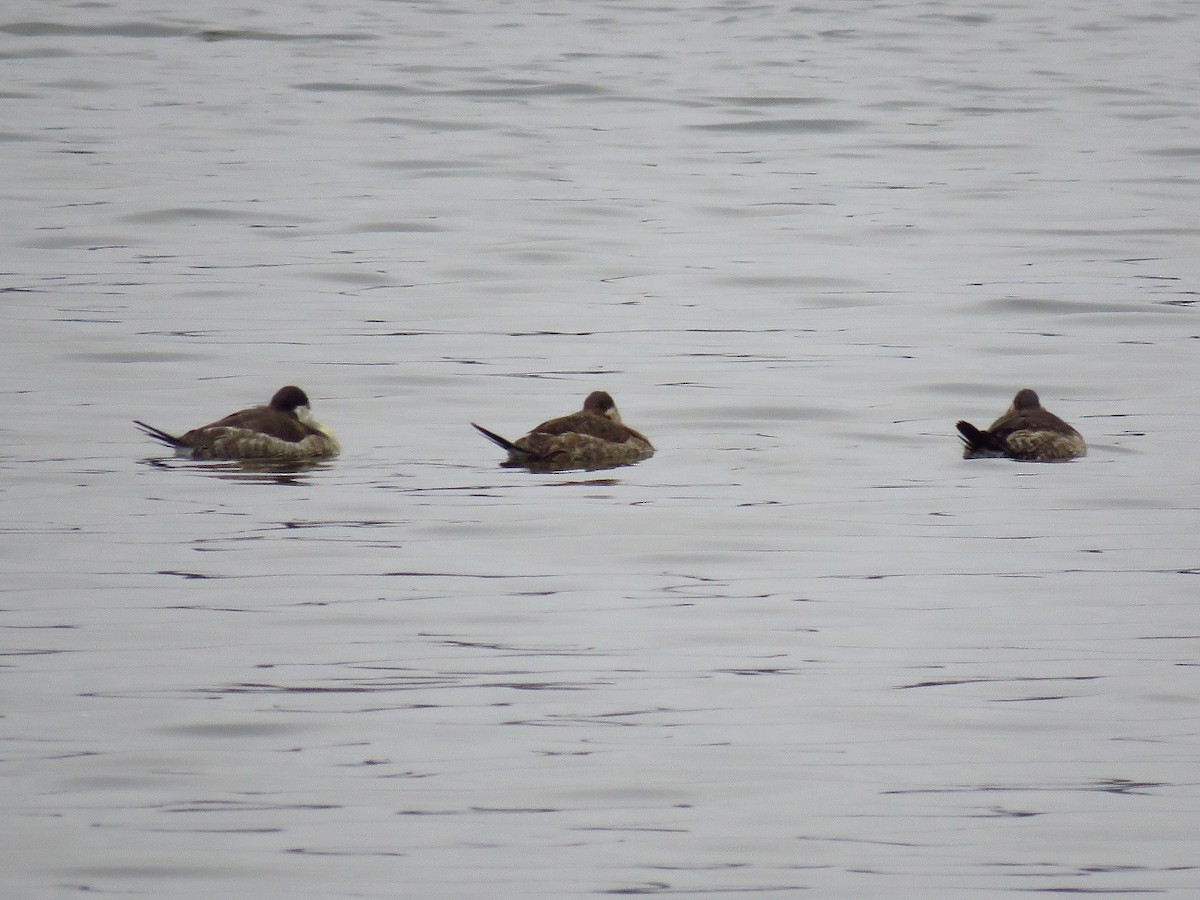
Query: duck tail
point(158, 434)
point(517, 456)
point(496, 439)
point(979, 443)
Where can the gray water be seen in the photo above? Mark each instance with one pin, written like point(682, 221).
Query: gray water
point(804, 650)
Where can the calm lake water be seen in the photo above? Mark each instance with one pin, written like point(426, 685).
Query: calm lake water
point(804, 650)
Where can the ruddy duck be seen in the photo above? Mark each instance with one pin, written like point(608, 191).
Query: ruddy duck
point(284, 429)
point(1026, 432)
point(593, 438)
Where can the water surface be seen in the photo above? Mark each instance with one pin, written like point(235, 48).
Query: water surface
point(805, 649)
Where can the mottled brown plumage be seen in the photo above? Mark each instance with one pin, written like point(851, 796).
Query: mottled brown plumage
point(593, 438)
point(1026, 432)
point(283, 429)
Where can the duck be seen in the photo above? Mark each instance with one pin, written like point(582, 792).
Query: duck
point(283, 429)
point(592, 438)
point(1026, 432)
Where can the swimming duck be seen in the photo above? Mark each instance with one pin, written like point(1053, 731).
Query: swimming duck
point(1025, 432)
point(593, 438)
point(284, 429)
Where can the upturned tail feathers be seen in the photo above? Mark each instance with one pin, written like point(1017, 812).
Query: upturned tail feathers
point(499, 441)
point(975, 440)
point(158, 434)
